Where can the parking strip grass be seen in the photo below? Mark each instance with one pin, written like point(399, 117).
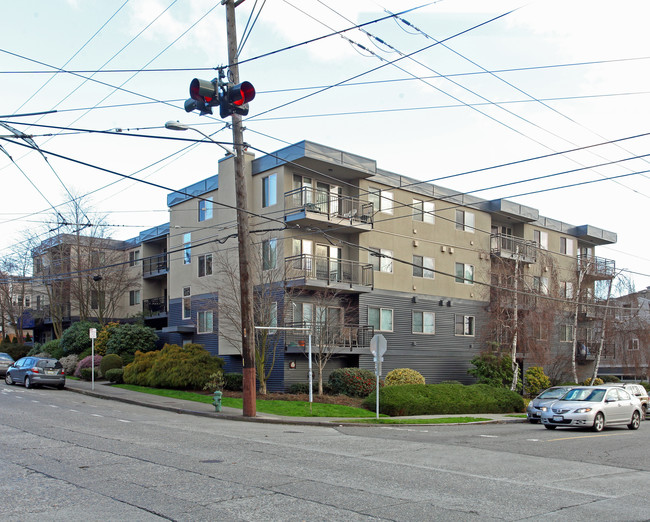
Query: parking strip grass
point(441, 420)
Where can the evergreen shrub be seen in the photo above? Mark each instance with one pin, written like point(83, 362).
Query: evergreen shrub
point(109, 362)
point(233, 381)
point(400, 376)
point(87, 362)
point(536, 380)
point(87, 374)
point(353, 382)
point(76, 339)
point(115, 375)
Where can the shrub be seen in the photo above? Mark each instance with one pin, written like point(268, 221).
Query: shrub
point(299, 388)
point(103, 336)
point(87, 362)
point(353, 382)
point(233, 381)
point(187, 367)
point(28, 338)
point(214, 382)
point(587, 382)
point(115, 375)
point(126, 339)
point(16, 350)
point(493, 369)
point(76, 338)
point(435, 399)
point(400, 376)
point(610, 378)
point(536, 380)
point(109, 362)
point(69, 363)
point(87, 374)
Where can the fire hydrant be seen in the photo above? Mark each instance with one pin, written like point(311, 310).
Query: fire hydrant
point(217, 400)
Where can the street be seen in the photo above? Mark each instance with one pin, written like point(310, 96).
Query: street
point(67, 456)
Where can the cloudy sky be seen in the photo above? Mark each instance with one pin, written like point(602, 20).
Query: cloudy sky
point(452, 87)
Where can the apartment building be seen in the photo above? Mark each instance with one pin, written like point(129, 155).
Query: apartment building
point(348, 250)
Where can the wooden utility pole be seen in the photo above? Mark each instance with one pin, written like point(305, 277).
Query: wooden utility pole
point(246, 288)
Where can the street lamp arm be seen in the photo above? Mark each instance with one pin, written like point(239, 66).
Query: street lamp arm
point(178, 126)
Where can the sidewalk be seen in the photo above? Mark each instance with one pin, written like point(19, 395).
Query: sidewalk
point(104, 390)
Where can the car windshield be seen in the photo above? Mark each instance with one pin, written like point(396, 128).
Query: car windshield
point(584, 394)
point(554, 393)
point(6, 357)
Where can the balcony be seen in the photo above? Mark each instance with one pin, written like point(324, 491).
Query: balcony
point(331, 338)
point(586, 351)
point(154, 266)
point(62, 312)
point(597, 268)
point(512, 247)
point(320, 272)
point(154, 308)
point(316, 207)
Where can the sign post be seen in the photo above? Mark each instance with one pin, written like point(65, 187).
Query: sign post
point(378, 347)
point(93, 335)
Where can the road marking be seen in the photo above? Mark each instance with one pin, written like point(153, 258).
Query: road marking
point(588, 436)
point(34, 400)
point(96, 415)
point(74, 411)
point(123, 420)
point(53, 406)
point(490, 436)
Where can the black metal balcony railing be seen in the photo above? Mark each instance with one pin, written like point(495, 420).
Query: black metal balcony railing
point(154, 307)
point(597, 267)
point(511, 247)
point(329, 205)
point(328, 270)
point(588, 350)
point(325, 336)
point(154, 265)
point(62, 312)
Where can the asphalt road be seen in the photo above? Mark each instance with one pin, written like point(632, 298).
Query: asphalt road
point(66, 456)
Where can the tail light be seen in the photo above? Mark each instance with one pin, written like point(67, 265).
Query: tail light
point(35, 369)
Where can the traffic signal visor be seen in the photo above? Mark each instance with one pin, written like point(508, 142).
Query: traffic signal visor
point(204, 91)
point(241, 94)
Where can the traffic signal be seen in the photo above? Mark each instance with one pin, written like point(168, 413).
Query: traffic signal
point(231, 99)
point(204, 95)
point(235, 98)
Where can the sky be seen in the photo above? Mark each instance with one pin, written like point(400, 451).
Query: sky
point(486, 95)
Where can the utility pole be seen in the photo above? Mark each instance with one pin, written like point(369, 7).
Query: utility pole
point(243, 234)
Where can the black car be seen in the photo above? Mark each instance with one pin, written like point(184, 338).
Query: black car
point(36, 371)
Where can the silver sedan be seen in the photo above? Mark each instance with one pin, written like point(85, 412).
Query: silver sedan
point(543, 401)
point(594, 407)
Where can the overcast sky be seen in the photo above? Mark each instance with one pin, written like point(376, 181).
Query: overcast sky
point(457, 86)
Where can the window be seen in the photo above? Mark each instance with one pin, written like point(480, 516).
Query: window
point(206, 207)
point(464, 273)
point(134, 297)
point(97, 259)
point(566, 246)
point(269, 254)
point(464, 324)
point(382, 200)
point(566, 333)
point(423, 267)
point(464, 220)
point(97, 299)
point(423, 211)
point(269, 190)
point(566, 287)
point(28, 301)
point(206, 318)
point(381, 259)
point(540, 285)
point(187, 303)
point(187, 245)
point(273, 319)
point(205, 265)
point(633, 344)
point(133, 257)
point(424, 322)
point(381, 319)
point(541, 238)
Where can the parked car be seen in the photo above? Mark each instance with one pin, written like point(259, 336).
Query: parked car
point(36, 371)
point(543, 401)
point(637, 390)
point(596, 407)
point(6, 360)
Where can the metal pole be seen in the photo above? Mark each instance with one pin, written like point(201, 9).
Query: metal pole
point(311, 377)
point(246, 283)
point(92, 363)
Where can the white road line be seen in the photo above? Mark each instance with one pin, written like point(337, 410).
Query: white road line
point(95, 415)
point(490, 436)
point(53, 406)
point(74, 411)
point(123, 420)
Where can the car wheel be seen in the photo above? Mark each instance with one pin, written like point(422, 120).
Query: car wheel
point(8, 379)
point(645, 411)
point(636, 421)
point(599, 422)
point(28, 382)
point(60, 386)
point(549, 426)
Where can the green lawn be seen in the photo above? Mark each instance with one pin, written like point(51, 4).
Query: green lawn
point(286, 408)
point(442, 420)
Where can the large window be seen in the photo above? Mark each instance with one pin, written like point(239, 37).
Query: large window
point(382, 200)
point(423, 211)
point(540, 285)
point(465, 220)
point(381, 319)
point(566, 287)
point(269, 254)
point(464, 324)
point(187, 248)
point(187, 302)
point(633, 344)
point(205, 265)
point(567, 246)
point(424, 322)
point(541, 238)
point(566, 333)
point(133, 257)
point(464, 273)
point(381, 259)
point(97, 299)
point(134, 297)
point(269, 190)
point(206, 207)
point(206, 319)
point(423, 267)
